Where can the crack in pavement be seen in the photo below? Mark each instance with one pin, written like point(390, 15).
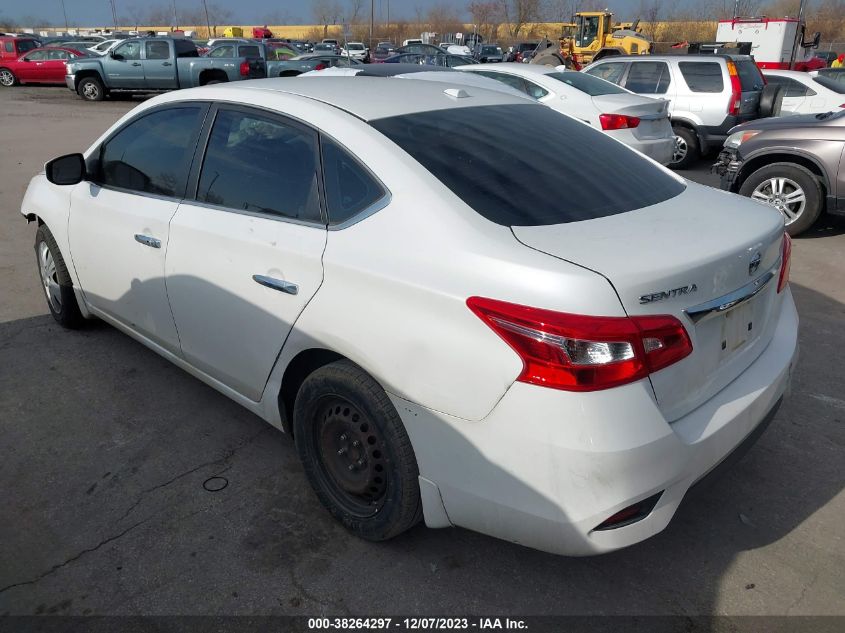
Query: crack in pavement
point(76, 557)
point(230, 453)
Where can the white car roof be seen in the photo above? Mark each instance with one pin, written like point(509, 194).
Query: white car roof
point(367, 98)
point(514, 68)
point(792, 74)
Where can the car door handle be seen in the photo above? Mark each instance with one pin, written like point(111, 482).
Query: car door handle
point(166, 64)
point(136, 63)
point(276, 284)
point(146, 240)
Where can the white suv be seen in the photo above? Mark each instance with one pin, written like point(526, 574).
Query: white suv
point(708, 94)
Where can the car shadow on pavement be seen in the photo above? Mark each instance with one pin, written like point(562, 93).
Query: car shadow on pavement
point(131, 487)
point(826, 226)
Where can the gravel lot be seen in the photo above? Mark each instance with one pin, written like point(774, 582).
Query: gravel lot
point(106, 447)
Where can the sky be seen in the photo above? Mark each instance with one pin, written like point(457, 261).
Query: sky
point(94, 12)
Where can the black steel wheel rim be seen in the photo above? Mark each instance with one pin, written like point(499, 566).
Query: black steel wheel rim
point(352, 457)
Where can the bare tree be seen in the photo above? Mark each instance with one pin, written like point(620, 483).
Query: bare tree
point(517, 13)
point(650, 12)
point(326, 13)
point(354, 11)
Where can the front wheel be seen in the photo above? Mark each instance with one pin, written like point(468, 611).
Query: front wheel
point(791, 189)
point(356, 452)
point(55, 280)
point(91, 89)
point(7, 77)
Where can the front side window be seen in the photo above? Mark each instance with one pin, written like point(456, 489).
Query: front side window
point(513, 164)
point(261, 164)
point(611, 71)
point(223, 51)
point(702, 76)
point(157, 50)
point(37, 56)
point(350, 188)
point(649, 78)
point(128, 50)
point(152, 154)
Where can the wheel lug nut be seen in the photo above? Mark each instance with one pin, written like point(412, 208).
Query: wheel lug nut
point(342, 450)
point(351, 467)
point(360, 462)
point(356, 443)
point(343, 437)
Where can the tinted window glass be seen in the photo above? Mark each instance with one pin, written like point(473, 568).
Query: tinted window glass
point(702, 76)
point(535, 91)
point(349, 187)
point(260, 164)
point(26, 45)
point(791, 87)
point(648, 78)
point(153, 154)
point(750, 77)
point(512, 164)
point(57, 54)
point(9, 46)
point(830, 84)
point(611, 71)
point(509, 80)
point(248, 51)
point(222, 51)
point(128, 50)
point(157, 50)
point(37, 56)
point(588, 84)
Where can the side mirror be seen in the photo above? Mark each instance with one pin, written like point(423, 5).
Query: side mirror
point(66, 170)
point(24, 59)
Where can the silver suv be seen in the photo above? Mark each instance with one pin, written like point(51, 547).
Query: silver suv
point(708, 94)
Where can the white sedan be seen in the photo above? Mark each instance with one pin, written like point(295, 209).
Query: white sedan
point(454, 319)
point(639, 122)
point(355, 50)
point(807, 93)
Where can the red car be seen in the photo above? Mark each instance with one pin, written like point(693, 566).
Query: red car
point(38, 66)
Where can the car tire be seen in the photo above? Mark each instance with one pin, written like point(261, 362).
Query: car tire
point(212, 82)
point(771, 100)
point(7, 78)
point(356, 453)
point(91, 89)
point(58, 287)
point(686, 150)
point(772, 183)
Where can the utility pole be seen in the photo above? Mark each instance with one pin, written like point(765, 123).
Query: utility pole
point(372, 17)
point(175, 17)
point(207, 21)
point(113, 12)
point(65, 13)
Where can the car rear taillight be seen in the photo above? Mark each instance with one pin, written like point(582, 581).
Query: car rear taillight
point(584, 353)
point(735, 104)
point(785, 261)
point(618, 121)
point(320, 66)
point(244, 70)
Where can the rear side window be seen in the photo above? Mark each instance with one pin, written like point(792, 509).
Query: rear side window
point(830, 84)
point(513, 164)
point(350, 188)
point(26, 45)
point(611, 71)
point(261, 164)
point(791, 87)
point(248, 51)
point(57, 54)
point(152, 154)
point(650, 78)
point(157, 50)
point(9, 47)
point(588, 84)
point(702, 76)
point(750, 77)
point(513, 81)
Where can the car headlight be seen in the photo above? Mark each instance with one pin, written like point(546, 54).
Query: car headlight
point(738, 138)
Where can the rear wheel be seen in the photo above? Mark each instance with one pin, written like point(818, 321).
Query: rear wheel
point(55, 280)
point(7, 77)
point(91, 89)
point(686, 150)
point(791, 189)
point(356, 452)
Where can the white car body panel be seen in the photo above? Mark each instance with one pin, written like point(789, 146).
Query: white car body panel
point(824, 99)
point(533, 465)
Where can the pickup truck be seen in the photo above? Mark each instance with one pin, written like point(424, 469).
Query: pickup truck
point(153, 64)
point(273, 54)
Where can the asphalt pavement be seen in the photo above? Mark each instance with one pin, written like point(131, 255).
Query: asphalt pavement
point(129, 487)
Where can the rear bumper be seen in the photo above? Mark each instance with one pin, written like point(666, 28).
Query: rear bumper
point(547, 467)
point(658, 149)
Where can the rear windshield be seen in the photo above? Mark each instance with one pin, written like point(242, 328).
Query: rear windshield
point(593, 86)
point(830, 84)
point(750, 77)
point(491, 50)
point(513, 164)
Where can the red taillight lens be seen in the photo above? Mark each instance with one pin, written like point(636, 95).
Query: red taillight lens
point(735, 104)
point(618, 121)
point(320, 66)
point(583, 353)
point(786, 261)
point(244, 69)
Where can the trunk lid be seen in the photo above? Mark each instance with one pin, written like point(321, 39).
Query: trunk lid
point(653, 113)
point(677, 255)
